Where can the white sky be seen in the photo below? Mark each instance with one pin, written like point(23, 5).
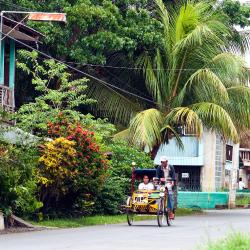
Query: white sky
point(247, 56)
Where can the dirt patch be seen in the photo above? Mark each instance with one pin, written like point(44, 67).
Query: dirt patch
point(19, 230)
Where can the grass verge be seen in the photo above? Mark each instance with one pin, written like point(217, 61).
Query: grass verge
point(102, 219)
point(243, 200)
point(234, 241)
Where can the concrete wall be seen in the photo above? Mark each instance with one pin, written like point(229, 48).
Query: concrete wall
point(1, 221)
point(191, 155)
point(209, 152)
point(202, 200)
point(208, 169)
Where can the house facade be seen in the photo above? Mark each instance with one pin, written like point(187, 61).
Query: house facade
point(244, 171)
point(204, 164)
point(12, 32)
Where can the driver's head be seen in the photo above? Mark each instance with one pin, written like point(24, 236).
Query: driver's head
point(164, 161)
point(145, 179)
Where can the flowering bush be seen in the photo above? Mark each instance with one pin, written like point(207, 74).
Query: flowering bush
point(72, 169)
point(58, 164)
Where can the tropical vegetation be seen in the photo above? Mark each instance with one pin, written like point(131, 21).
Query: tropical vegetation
point(234, 240)
point(153, 67)
point(195, 80)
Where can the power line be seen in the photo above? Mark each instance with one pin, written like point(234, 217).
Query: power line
point(130, 68)
point(110, 86)
point(14, 27)
point(119, 80)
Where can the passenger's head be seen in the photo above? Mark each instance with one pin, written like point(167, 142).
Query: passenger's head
point(164, 161)
point(240, 179)
point(156, 181)
point(145, 179)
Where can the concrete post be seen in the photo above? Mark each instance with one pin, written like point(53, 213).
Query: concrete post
point(1, 221)
point(233, 177)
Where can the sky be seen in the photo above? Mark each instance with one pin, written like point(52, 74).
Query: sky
point(247, 56)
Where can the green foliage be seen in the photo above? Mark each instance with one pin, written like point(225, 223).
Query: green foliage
point(238, 13)
point(58, 93)
point(117, 186)
point(96, 29)
point(112, 196)
point(234, 241)
point(17, 185)
point(243, 199)
point(123, 156)
point(72, 170)
point(196, 90)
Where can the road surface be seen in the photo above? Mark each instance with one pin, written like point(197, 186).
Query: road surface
point(185, 234)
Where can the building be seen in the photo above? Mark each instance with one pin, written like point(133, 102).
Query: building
point(19, 32)
point(205, 164)
point(244, 171)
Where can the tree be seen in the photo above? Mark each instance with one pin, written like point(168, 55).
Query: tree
point(194, 80)
point(102, 32)
point(239, 14)
point(58, 92)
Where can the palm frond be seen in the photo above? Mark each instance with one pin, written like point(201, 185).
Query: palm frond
point(122, 135)
point(196, 23)
point(112, 104)
point(240, 43)
point(239, 106)
point(204, 85)
point(170, 130)
point(145, 128)
point(184, 116)
point(154, 76)
point(216, 118)
point(163, 13)
point(229, 67)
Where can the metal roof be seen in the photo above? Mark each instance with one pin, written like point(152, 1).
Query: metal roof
point(21, 31)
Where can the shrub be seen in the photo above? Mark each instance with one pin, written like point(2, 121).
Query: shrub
point(17, 185)
point(243, 199)
point(117, 187)
point(124, 155)
point(72, 170)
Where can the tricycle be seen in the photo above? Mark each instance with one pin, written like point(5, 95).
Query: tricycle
point(149, 202)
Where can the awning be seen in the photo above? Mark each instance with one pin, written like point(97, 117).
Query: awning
point(20, 31)
point(18, 35)
point(54, 17)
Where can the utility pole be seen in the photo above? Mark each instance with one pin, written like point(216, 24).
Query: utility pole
point(233, 177)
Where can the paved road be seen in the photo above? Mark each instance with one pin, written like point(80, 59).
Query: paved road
point(185, 234)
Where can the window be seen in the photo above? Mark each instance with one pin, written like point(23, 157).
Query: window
point(229, 152)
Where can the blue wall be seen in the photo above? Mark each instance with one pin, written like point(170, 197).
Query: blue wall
point(191, 155)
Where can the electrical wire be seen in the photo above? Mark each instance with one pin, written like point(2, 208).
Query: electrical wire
point(18, 23)
point(109, 85)
point(130, 68)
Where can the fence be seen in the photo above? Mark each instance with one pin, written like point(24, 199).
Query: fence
point(204, 200)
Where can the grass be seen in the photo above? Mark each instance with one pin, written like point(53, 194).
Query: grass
point(102, 219)
point(243, 200)
point(234, 241)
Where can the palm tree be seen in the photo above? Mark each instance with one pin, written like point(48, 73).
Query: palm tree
point(194, 79)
